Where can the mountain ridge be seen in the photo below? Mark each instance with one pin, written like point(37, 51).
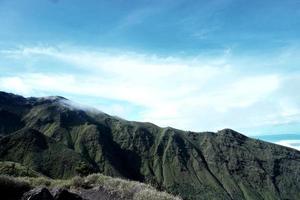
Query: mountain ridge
point(195, 165)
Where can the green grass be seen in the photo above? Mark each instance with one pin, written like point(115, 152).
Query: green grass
point(15, 169)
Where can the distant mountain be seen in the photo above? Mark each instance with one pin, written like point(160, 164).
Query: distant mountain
point(58, 140)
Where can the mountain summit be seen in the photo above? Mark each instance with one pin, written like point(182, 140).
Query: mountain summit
point(59, 140)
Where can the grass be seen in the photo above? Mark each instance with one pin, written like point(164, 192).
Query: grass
point(15, 169)
point(126, 189)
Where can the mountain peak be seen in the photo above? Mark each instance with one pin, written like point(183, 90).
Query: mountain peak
point(54, 98)
point(10, 98)
point(50, 99)
point(231, 133)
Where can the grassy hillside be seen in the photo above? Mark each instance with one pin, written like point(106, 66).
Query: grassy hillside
point(16, 169)
point(40, 153)
point(60, 141)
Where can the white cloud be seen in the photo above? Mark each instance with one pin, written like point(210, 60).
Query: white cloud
point(295, 144)
point(192, 93)
point(15, 84)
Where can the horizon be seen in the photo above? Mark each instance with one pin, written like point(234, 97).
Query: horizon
point(191, 65)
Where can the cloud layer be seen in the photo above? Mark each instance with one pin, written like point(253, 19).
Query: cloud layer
point(194, 93)
point(295, 144)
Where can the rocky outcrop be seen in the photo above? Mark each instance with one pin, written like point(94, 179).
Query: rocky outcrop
point(38, 194)
point(64, 194)
point(12, 189)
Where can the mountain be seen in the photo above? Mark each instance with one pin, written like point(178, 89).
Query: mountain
point(53, 137)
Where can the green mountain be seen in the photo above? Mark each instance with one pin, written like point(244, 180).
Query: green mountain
point(14, 169)
point(53, 137)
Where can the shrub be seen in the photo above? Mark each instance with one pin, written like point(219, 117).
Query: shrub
point(77, 182)
point(83, 169)
point(16, 169)
point(41, 181)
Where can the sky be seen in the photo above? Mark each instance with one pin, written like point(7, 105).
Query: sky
point(193, 65)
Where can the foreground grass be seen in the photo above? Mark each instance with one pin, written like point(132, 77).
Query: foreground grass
point(124, 188)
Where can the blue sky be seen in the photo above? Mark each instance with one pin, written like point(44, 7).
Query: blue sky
point(193, 65)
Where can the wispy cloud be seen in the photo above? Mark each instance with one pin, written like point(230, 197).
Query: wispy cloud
point(295, 144)
point(192, 93)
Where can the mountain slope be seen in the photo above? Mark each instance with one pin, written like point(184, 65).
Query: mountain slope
point(42, 154)
point(222, 165)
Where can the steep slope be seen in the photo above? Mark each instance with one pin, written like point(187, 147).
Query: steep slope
point(222, 165)
point(17, 170)
point(42, 154)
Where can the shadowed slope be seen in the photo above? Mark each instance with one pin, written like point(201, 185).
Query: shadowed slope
point(42, 154)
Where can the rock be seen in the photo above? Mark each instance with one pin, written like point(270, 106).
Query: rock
point(66, 195)
point(38, 194)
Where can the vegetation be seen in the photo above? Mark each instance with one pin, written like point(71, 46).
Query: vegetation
point(16, 169)
point(61, 141)
point(124, 188)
